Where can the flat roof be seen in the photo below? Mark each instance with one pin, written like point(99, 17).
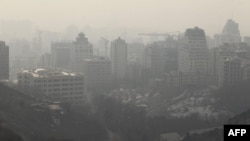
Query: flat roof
point(48, 72)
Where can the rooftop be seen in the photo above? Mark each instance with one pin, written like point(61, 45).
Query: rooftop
point(97, 59)
point(48, 72)
point(232, 59)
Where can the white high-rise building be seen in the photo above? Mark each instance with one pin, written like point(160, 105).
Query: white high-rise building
point(119, 58)
point(193, 57)
point(4, 61)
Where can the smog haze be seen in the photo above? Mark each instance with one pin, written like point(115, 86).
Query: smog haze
point(159, 15)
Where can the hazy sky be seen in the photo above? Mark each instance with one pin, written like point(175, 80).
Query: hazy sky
point(156, 15)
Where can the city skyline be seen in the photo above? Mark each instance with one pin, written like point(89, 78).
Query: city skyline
point(119, 70)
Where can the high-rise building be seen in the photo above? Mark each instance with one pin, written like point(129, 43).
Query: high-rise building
point(217, 40)
point(154, 59)
point(213, 64)
point(135, 73)
point(45, 60)
point(119, 58)
point(171, 59)
point(231, 32)
point(37, 42)
point(97, 73)
point(161, 57)
point(247, 40)
point(217, 55)
point(4, 61)
point(60, 52)
point(81, 49)
point(136, 49)
point(193, 56)
point(230, 71)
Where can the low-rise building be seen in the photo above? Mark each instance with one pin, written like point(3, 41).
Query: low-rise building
point(56, 84)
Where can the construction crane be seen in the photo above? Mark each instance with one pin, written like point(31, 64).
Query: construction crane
point(175, 36)
point(154, 34)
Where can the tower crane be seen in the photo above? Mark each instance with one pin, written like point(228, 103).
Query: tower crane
point(168, 34)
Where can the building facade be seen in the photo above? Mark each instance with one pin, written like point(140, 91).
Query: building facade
point(247, 40)
point(4, 61)
point(230, 71)
point(97, 73)
point(231, 32)
point(81, 49)
point(154, 59)
point(57, 85)
point(216, 59)
point(119, 56)
point(193, 57)
point(162, 56)
point(45, 61)
point(60, 52)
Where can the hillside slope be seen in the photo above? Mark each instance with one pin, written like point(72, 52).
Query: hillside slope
point(34, 120)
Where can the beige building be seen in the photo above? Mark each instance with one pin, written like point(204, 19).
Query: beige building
point(4, 61)
point(56, 84)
